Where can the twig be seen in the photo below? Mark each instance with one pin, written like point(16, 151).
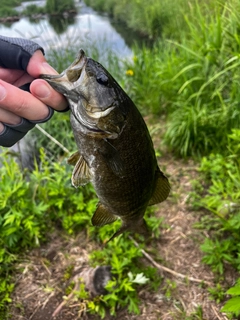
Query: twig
point(36, 310)
point(51, 138)
point(48, 298)
point(160, 267)
point(62, 304)
point(216, 313)
point(48, 271)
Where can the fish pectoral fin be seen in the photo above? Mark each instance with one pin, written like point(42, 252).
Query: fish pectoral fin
point(102, 216)
point(73, 159)
point(81, 174)
point(112, 158)
point(161, 190)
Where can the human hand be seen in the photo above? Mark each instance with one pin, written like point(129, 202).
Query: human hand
point(20, 110)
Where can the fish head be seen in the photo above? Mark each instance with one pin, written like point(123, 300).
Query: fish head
point(94, 96)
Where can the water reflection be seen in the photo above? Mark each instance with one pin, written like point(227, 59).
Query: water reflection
point(60, 23)
point(58, 30)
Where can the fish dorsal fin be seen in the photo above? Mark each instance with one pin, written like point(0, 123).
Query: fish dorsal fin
point(102, 216)
point(161, 190)
point(73, 159)
point(81, 174)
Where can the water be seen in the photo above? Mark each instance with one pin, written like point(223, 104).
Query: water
point(52, 31)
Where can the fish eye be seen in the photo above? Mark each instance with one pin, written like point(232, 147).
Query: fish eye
point(102, 79)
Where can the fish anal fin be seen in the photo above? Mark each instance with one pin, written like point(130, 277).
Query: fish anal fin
point(73, 159)
point(81, 174)
point(102, 216)
point(162, 188)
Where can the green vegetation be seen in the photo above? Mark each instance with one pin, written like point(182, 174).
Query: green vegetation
point(59, 6)
point(6, 11)
point(52, 7)
point(32, 9)
point(219, 194)
point(34, 203)
point(194, 83)
point(150, 18)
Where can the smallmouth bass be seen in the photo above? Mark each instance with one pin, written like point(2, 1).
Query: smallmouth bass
point(115, 150)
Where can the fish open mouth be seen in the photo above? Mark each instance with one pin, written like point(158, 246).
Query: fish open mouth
point(64, 81)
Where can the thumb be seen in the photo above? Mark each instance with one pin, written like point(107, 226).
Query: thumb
point(38, 65)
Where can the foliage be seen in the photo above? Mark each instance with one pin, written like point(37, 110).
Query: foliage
point(127, 271)
point(6, 11)
point(59, 6)
point(33, 9)
point(193, 82)
point(232, 306)
point(31, 203)
point(220, 176)
point(151, 18)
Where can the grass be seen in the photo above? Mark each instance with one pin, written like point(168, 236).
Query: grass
point(52, 7)
point(193, 83)
point(151, 18)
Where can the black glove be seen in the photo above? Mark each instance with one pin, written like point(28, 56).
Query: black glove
point(15, 54)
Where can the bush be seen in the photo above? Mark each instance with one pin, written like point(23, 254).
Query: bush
point(6, 11)
point(220, 176)
point(59, 6)
point(33, 9)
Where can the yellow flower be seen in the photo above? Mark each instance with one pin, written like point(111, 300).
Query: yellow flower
point(129, 72)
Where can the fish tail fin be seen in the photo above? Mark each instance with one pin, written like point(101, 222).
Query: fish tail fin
point(139, 227)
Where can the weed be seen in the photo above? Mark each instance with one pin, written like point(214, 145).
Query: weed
point(217, 293)
point(232, 306)
point(170, 288)
point(221, 175)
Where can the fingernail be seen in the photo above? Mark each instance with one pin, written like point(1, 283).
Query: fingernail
point(42, 91)
point(48, 69)
point(3, 92)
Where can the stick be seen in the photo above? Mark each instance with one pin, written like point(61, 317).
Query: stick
point(160, 267)
point(51, 138)
point(62, 304)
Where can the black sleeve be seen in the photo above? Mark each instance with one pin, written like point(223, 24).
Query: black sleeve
point(15, 53)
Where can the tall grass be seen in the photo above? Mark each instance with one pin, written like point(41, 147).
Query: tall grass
point(148, 17)
point(195, 81)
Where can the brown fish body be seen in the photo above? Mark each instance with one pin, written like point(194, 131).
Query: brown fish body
point(129, 192)
point(116, 152)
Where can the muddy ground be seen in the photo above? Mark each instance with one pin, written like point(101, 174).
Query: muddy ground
point(39, 290)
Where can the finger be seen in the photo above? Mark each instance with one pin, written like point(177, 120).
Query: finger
point(38, 65)
point(21, 103)
point(9, 117)
point(44, 92)
point(1, 127)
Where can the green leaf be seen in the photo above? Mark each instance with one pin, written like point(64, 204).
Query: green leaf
point(232, 305)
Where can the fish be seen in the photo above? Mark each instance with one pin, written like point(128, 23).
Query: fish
point(115, 150)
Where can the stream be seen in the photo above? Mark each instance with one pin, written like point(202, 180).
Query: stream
point(50, 31)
